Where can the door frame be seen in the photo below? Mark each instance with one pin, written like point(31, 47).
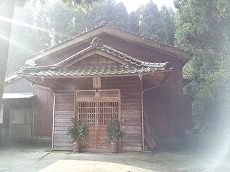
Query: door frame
point(97, 99)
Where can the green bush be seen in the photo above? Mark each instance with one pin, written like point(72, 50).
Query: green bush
point(113, 132)
point(77, 130)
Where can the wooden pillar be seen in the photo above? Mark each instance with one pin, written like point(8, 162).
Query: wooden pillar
point(54, 96)
point(142, 112)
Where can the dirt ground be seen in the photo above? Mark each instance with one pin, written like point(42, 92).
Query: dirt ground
point(195, 153)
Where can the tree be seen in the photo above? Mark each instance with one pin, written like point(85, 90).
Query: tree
point(150, 21)
point(155, 24)
point(42, 26)
point(6, 13)
point(110, 12)
point(134, 19)
point(202, 27)
point(168, 25)
point(24, 38)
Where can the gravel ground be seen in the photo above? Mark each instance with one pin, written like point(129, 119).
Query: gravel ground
point(206, 154)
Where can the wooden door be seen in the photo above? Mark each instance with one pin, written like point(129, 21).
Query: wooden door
point(97, 109)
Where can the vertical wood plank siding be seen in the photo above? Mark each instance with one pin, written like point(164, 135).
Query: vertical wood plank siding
point(43, 113)
point(165, 106)
point(130, 110)
point(64, 111)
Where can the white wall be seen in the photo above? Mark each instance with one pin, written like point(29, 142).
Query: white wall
point(21, 124)
point(1, 114)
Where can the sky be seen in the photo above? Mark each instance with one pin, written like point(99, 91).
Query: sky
point(132, 5)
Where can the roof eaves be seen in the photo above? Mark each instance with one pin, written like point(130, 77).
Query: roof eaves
point(11, 77)
point(181, 53)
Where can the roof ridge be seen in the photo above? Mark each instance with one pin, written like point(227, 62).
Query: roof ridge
point(102, 24)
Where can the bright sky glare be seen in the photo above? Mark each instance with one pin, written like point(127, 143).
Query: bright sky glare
point(132, 5)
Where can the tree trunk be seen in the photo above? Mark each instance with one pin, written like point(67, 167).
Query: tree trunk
point(6, 12)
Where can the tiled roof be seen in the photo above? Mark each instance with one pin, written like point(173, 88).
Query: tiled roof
point(98, 45)
point(133, 65)
point(103, 24)
point(26, 95)
point(89, 71)
point(67, 40)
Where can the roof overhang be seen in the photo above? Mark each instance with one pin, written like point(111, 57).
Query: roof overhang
point(126, 66)
point(157, 78)
point(17, 95)
point(12, 77)
point(121, 34)
point(153, 77)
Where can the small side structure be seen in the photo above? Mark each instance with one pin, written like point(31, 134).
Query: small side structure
point(19, 113)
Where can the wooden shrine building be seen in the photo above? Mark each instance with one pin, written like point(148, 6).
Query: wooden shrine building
point(107, 73)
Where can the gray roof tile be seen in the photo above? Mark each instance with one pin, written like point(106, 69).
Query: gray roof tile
point(134, 66)
point(89, 71)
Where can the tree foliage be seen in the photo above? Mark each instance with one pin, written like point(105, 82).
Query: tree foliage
point(6, 13)
point(202, 27)
point(52, 23)
point(156, 24)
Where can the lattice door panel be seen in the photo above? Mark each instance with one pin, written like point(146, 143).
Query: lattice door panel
point(107, 111)
point(87, 112)
point(97, 109)
point(97, 115)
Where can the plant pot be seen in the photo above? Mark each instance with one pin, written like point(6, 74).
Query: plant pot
point(76, 147)
point(114, 148)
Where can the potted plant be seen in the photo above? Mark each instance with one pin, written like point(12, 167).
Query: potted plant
point(113, 133)
point(77, 132)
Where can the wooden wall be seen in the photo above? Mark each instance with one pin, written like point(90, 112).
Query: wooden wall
point(64, 111)
point(43, 113)
point(188, 111)
point(130, 109)
point(165, 106)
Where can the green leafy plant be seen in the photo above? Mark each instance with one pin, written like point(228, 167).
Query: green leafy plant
point(77, 130)
point(113, 132)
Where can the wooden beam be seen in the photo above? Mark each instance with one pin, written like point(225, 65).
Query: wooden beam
point(142, 113)
point(96, 82)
